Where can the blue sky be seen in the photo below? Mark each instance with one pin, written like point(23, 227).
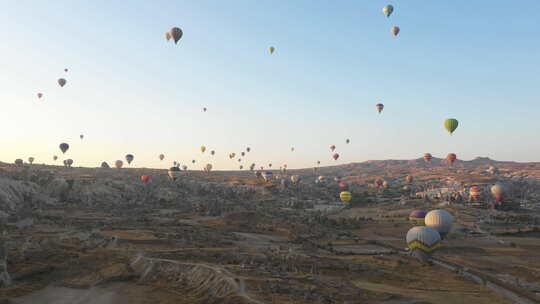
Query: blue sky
point(130, 91)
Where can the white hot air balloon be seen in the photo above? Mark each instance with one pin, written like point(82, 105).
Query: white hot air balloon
point(441, 220)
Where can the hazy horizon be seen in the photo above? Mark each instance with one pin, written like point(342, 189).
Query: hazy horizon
point(130, 91)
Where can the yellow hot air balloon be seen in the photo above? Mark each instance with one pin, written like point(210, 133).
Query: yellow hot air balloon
point(272, 49)
point(168, 36)
point(203, 148)
point(345, 196)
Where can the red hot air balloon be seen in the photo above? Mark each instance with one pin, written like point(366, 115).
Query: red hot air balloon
point(343, 186)
point(427, 157)
point(332, 148)
point(146, 179)
point(451, 158)
point(335, 156)
point(379, 182)
point(475, 192)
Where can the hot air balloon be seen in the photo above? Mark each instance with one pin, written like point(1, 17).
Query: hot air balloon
point(498, 191)
point(64, 147)
point(239, 160)
point(425, 239)
point(441, 220)
point(387, 10)
point(208, 167)
point(18, 162)
point(272, 49)
point(409, 179)
point(451, 158)
point(475, 192)
point(203, 148)
point(193, 161)
point(295, 179)
point(204, 109)
point(243, 153)
point(212, 152)
point(418, 216)
point(81, 136)
point(379, 107)
point(55, 157)
point(347, 141)
point(62, 82)
point(69, 162)
point(292, 149)
point(332, 148)
point(345, 196)
point(337, 179)
point(342, 187)
point(395, 30)
point(146, 178)
point(174, 173)
point(379, 182)
point(269, 165)
point(248, 149)
point(385, 184)
point(335, 156)
point(39, 95)
point(129, 158)
point(318, 162)
point(30, 160)
point(176, 34)
point(168, 36)
point(451, 125)
point(321, 178)
point(175, 163)
point(427, 157)
point(184, 167)
point(104, 165)
point(161, 156)
point(267, 176)
point(118, 164)
point(241, 167)
point(66, 70)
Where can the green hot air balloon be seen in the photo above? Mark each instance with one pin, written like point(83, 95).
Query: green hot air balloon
point(451, 125)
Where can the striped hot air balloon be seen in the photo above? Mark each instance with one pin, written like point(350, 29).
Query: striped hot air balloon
point(427, 157)
point(379, 107)
point(423, 238)
point(451, 125)
point(345, 196)
point(441, 220)
point(475, 192)
point(418, 216)
point(451, 158)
